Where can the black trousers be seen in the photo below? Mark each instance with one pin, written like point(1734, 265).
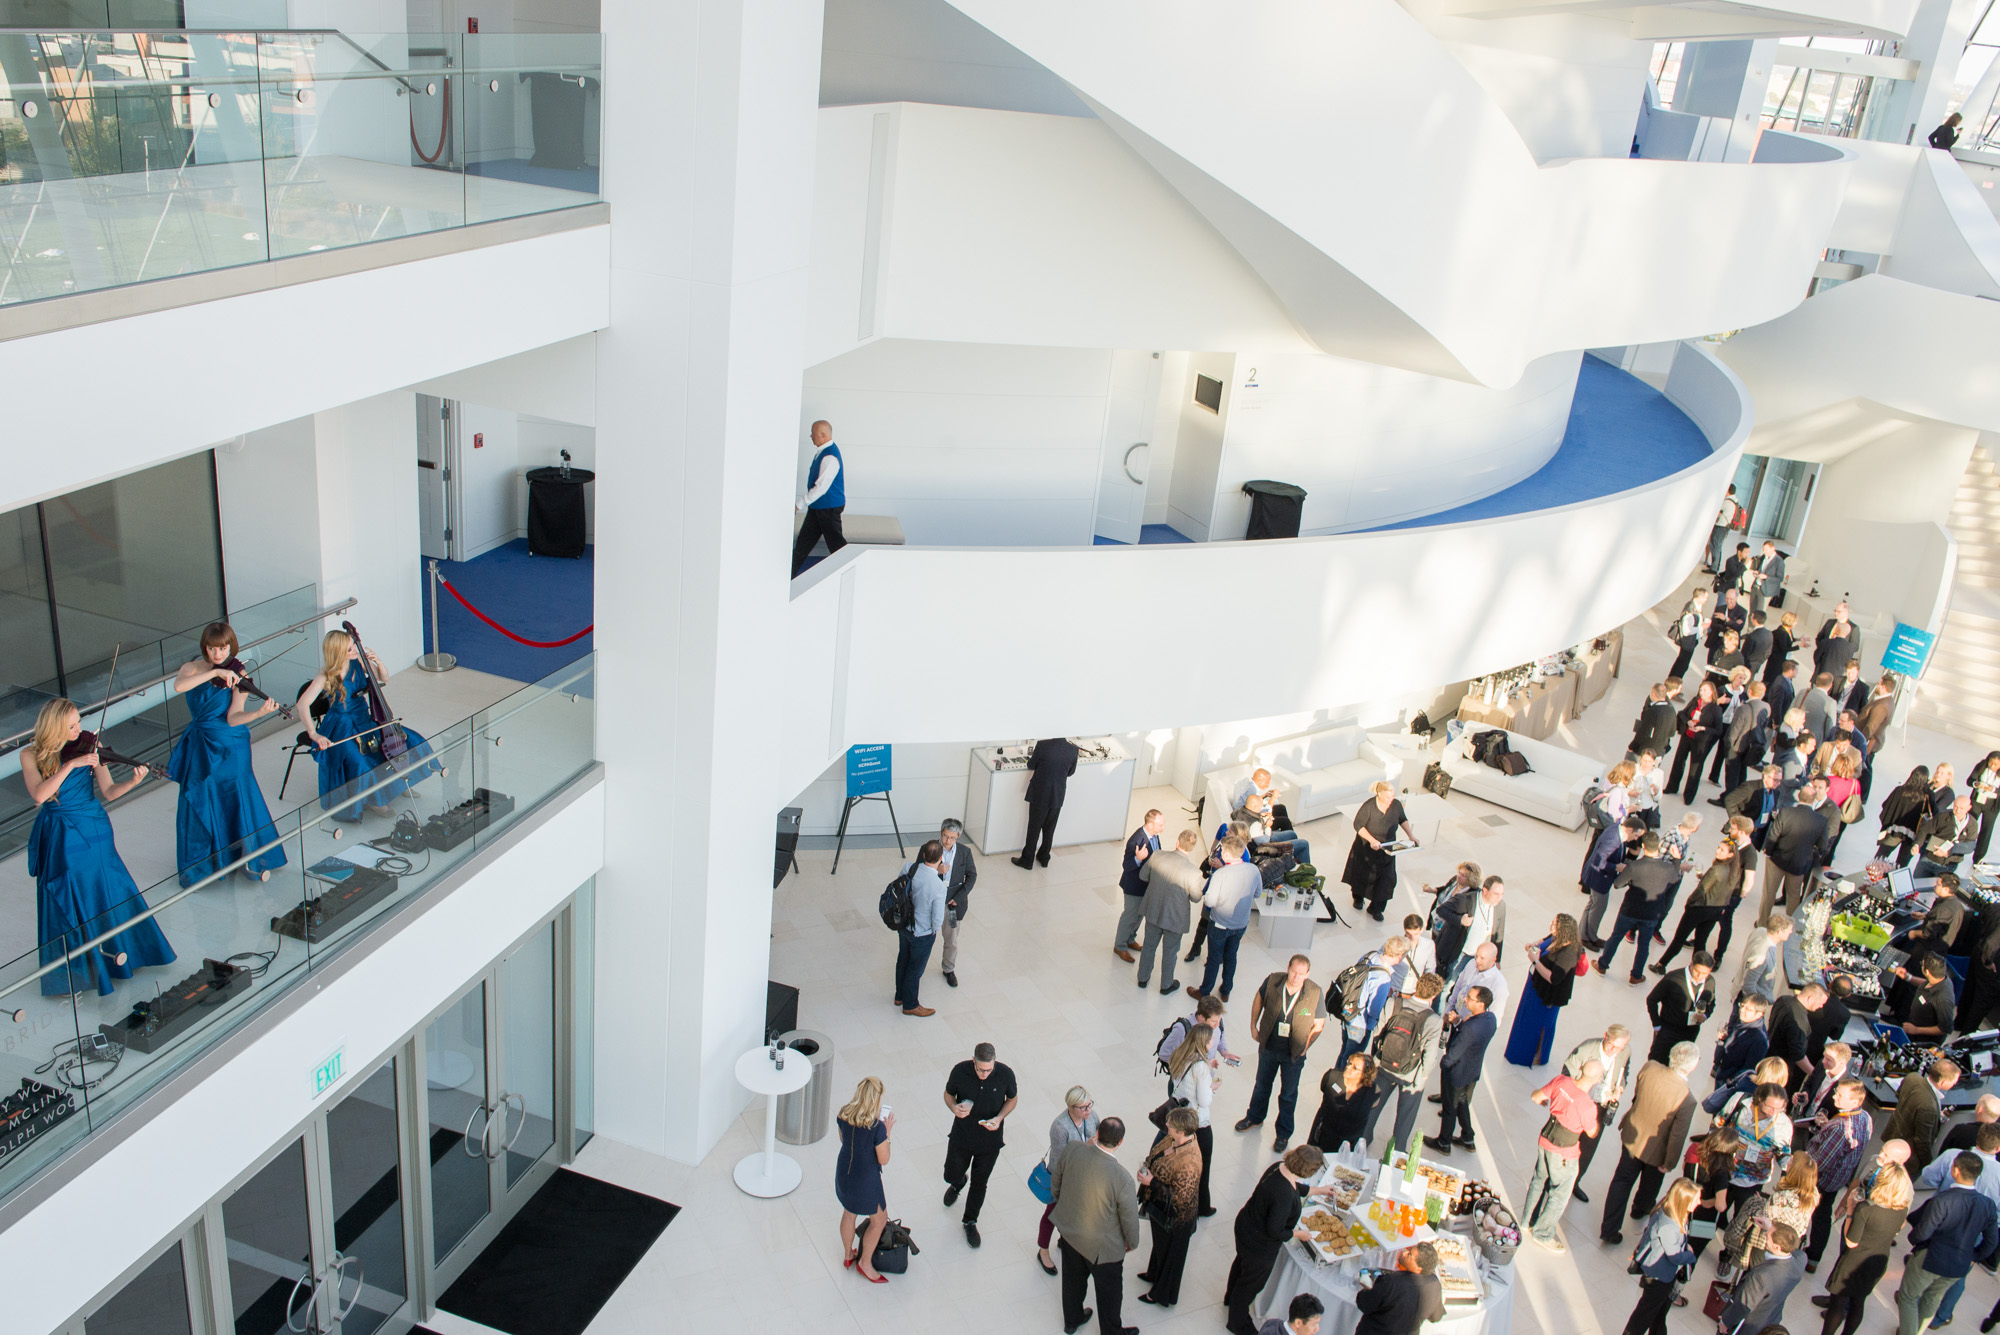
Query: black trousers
point(1167, 1260)
point(1193, 954)
point(1078, 1275)
point(1587, 1150)
point(1695, 925)
point(1205, 1137)
point(1456, 1103)
point(1042, 816)
point(1689, 757)
point(1649, 1317)
point(1981, 998)
point(1822, 1226)
point(957, 1159)
point(1685, 657)
point(1986, 820)
point(822, 523)
point(1248, 1274)
point(1631, 1173)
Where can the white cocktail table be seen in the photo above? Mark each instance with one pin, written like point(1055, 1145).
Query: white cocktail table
point(768, 1173)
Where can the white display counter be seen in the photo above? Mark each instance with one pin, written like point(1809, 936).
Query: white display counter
point(1095, 809)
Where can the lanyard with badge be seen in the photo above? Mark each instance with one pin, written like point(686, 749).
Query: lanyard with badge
point(1285, 1020)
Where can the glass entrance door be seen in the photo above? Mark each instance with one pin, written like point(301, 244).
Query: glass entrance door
point(314, 1241)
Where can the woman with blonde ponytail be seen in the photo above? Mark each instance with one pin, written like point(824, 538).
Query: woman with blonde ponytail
point(82, 888)
point(348, 740)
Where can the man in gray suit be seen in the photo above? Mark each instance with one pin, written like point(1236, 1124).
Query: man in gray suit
point(1097, 1213)
point(1821, 712)
point(1770, 571)
point(960, 874)
point(1173, 881)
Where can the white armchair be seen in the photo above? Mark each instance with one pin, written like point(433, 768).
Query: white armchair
point(1327, 769)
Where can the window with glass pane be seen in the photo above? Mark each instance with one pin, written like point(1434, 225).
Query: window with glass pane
point(27, 646)
point(363, 1158)
point(269, 1248)
point(153, 1302)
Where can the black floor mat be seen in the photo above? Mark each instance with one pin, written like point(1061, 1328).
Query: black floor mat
point(560, 1259)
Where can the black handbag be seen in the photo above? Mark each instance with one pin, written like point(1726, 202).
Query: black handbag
point(1153, 1211)
point(1158, 1117)
point(893, 1252)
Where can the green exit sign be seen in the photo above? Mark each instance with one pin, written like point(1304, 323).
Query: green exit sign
point(327, 1074)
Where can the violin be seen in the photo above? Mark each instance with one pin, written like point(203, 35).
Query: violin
point(249, 687)
point(389, 738)
point(86, 742)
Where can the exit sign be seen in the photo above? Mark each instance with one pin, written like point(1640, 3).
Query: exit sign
point(328, 1073)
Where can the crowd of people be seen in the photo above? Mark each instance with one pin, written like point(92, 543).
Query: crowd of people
point(1787, 1161)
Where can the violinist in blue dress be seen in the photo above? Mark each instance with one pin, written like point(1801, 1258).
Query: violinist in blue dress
point(350, 739)
point(82, 889)
point(222, 814)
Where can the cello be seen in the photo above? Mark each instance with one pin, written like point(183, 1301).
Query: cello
point(389, 741)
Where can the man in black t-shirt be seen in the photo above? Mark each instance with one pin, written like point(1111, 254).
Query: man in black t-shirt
point(980, 1094)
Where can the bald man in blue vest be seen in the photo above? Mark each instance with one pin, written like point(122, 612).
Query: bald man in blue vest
point(825, 498)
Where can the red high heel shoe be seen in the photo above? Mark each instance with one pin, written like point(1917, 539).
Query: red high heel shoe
point(874, 1279)
point(852, 1257)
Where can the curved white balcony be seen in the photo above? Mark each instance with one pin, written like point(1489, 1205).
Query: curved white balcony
point(1393, 208)
point(1363, 614)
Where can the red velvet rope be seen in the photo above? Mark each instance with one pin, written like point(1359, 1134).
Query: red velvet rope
point(532, 644)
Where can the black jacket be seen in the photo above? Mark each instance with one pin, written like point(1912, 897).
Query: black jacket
point(1756, 648)
point(1646, 882)
point(1465, 1050)
point(1049, 769)
point(1670, 1007)
point(964, 875)
point(1780, 696)
point(1796, 839)
point(1747, 800)
point(1655, 729)
point(1399, 1303)
point(1790, 1029)
point(1450, 934)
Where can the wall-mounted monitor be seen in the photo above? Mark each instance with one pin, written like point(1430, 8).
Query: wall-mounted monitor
point(1208, 393)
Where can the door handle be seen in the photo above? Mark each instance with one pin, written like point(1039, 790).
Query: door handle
point(293, 1309)
point(338, 1271)
point(479, 1153)
point(520, 1120)
point(1127, 465)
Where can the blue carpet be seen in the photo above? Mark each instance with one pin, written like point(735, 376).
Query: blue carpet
point(1622, 434)
point(1149, 535)
point(541, 597)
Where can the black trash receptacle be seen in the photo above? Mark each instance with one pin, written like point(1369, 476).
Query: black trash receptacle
point(1275, 508)
point(555, 511)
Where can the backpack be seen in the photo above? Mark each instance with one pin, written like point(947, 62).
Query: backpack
point(899, 912)
point(1399, 1048)
point(1594, 811)
point(1489, 746)
point(1347, 988)
point(1170, 1038)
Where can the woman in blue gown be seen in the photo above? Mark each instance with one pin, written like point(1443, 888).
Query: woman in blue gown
point(222, 814)
point(1551, 977)
point(81, 886)
point(350, 744)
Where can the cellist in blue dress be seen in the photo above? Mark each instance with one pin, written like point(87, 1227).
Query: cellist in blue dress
point(222, 814)
point(82, 888)
point(349, 737)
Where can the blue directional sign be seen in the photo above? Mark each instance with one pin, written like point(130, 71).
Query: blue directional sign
point(1909, 649)
point(868, 769)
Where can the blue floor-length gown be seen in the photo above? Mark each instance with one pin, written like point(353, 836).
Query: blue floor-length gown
point(344, 762)
point(1532, 1040)
point(83, 889)
point(222, 814)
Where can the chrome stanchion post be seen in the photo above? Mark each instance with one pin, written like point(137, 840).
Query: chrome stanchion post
point(437, 660)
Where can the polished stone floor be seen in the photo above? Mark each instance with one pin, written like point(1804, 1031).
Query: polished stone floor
point(1039, 981)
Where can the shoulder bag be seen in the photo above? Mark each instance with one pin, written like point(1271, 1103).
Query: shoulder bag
point(893, 1252)
point(1041, 1184)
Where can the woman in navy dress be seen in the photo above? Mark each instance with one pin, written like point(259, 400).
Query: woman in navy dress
point(222, 814)
point(81, 886)
point(1551, 977)
point(857, 1175)
point(350, 746)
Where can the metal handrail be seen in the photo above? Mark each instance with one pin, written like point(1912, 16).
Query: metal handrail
point(395, 776)
point(21, 738)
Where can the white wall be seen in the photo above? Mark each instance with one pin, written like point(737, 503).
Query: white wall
point(966, 442)
point(490, 486)
point(368, 520)
point(336, 346)
point(77, 1241)
point(558, 381)
point(1198, 443)
point(267, 491)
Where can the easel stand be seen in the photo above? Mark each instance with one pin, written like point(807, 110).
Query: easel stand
point(848, 810)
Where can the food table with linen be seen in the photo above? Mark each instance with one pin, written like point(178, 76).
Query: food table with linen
point(1335, 1280)
point(1599, 666)
point(1535, 712)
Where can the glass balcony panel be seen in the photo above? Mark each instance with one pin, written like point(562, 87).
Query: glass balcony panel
point(41, 1110)
point(531, 113)
point(535, 741)
point(357, 139)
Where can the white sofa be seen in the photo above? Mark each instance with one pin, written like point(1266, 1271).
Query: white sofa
point(1326, 770)
point(1217, 785)
point(1551, 790)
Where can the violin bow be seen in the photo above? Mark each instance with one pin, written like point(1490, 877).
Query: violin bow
point(110, 684)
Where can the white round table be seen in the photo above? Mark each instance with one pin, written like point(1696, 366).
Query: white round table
point(768, 1173)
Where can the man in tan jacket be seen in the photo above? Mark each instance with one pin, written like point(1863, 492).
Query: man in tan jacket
point(1651, 1138)
point(1097, 1213)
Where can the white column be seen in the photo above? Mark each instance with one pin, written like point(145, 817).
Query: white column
point(710, 123)
point(364, 456)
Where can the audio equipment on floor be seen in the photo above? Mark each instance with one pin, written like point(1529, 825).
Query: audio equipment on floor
point(451, 828)
point(29, 1111)
point(321, 916)
point(155, 1023)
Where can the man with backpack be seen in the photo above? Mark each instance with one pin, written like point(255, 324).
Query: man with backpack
point(921, 904)
point(1406, 1052)
point(1361, 991)
point(1208, 1011)
point(1286, 1015)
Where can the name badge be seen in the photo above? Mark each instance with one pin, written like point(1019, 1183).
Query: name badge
point(1284, 1029)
